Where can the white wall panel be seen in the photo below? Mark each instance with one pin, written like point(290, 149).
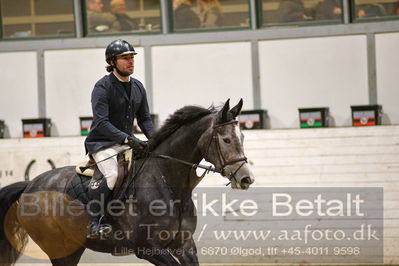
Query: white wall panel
point(70, 77)
point(201, 74)
point(18, 90)
point(313, 72)
point(387, 54)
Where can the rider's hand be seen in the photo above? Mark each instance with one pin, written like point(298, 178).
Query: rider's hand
point(140, 148)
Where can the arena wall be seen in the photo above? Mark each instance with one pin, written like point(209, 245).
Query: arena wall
point(297, 72)
point(201, 74)
point(329, 157)
point(387, 57)
point(70, 78)
point(313, 72)
point(19, 97)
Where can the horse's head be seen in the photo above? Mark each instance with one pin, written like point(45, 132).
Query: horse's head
point(222, 145)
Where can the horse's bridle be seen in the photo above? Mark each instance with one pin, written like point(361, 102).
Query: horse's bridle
point(223, 162)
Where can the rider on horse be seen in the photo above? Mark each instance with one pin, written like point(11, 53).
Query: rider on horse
point(116, 100)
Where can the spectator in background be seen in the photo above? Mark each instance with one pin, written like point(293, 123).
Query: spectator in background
point(328, 10)
point(184, 15)
point(371, 10)
point(98, 21)
point(211, 14)
point(292, 11)
point(123, 22)
point(397, 8)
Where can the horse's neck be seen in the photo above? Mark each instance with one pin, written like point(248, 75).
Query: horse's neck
point(182, 145)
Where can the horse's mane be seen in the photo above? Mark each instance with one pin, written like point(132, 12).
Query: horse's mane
point(179, 118)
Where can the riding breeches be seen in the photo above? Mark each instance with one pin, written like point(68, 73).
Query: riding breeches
point(109, 167)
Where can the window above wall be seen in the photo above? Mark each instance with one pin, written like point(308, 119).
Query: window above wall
point(37, 18)
point(375, 9)
point(288, 12)
point(200, 15)
point(122, 16)
point(22, 19)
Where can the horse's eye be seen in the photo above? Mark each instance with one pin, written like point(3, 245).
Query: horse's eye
point(226, 140)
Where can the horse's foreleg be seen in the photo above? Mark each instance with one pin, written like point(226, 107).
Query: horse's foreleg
point(187, 253)
point(156, 255)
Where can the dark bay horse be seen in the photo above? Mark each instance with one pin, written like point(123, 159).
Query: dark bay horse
point(156, 218)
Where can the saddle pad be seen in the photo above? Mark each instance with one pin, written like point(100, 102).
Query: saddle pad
point(88, 172)
point(78, 187)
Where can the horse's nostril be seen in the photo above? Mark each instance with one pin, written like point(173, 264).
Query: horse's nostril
point(246, 181)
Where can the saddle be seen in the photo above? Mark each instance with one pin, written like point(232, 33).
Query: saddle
point(88, 171)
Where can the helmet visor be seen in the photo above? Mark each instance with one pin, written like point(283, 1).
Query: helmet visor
point(127, 52)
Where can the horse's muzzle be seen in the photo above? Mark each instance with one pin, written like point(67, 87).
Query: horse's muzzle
point(242, 177)
point(246, 181)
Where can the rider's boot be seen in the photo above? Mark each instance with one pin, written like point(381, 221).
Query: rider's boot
point(98, 195)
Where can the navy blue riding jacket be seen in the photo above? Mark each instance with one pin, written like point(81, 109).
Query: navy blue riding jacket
point(114, 113)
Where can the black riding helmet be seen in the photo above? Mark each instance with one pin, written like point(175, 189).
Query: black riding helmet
point(118, 47)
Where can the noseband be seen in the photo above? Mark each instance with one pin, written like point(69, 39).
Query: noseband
point(223, 162)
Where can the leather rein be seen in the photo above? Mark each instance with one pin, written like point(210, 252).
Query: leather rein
point(223, 162)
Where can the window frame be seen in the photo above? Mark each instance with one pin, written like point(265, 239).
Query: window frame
point(68, 36)
point(354, 19)
point(82, 22)
point(171, 29)
point(85, 24)
point(259, 9)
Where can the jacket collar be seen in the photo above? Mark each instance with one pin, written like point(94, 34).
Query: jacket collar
point(120, 88)
point(116, 79)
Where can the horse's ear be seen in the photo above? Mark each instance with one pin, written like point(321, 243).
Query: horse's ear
point(235, 111)
point(225, 110)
